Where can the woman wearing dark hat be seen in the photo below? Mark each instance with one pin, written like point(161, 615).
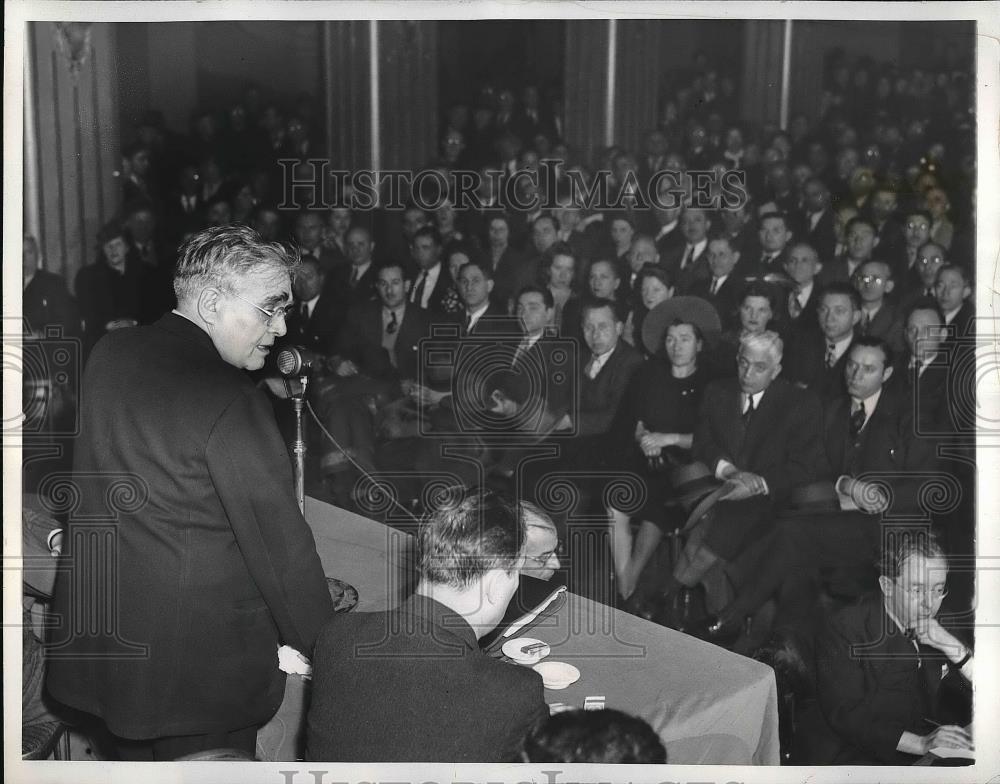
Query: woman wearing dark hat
point(653, 429)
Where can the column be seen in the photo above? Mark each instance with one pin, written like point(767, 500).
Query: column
point(74, 97)
point(585, 84)
point(762, 59)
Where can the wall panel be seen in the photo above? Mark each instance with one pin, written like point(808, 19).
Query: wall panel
point(77, 141)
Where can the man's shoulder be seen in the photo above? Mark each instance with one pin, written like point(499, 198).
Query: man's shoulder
point(627, 355)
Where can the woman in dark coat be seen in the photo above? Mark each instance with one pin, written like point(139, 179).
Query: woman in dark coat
point(654, 427)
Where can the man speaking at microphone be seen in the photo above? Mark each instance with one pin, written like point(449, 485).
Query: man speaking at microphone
point(170, 633)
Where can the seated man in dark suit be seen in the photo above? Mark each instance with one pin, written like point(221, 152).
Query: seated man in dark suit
point(376, 352)
point(953, 289)
point(761, 435)
point(859, 241)
point(356, 282)
point(923, 369)
point(725, 288)
point(815, 359)
point(879, 317)
point(883, 665)
point(867, 432)
point(412, 685)
point(433, 279)
point(480, 316)
point(317, 318)
point(46, 302)
point(802, 266)
point(688, 263)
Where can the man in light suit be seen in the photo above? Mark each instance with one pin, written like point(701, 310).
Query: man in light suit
point(213, 565)
point(412, 685)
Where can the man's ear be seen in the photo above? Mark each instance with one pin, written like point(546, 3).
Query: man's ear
point(819, 268)
point(406, 285)
point(209, 302)
point(496, 587)
point(777, 370)
point(889, 286)
point(887, 373)
point(856, 319)
point(884, 583)
point(489, 286)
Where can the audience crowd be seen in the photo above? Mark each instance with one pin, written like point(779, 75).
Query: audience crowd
point(750, 397)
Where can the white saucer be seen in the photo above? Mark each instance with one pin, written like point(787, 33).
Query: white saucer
point(556, 674)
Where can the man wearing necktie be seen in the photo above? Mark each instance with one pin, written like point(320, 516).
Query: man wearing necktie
point(816, 357)
point(875, 462)
point(883, 664)
point(725, 287)
point(802, 266)
point(687, 264)
point(432, 281)
point(759, 434)
point(774, 236)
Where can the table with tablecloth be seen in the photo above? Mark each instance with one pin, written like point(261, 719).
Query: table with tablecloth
point(709, 706)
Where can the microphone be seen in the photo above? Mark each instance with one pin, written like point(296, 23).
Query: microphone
point(298, 361)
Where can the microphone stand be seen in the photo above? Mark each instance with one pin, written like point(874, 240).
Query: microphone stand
point(299, 444)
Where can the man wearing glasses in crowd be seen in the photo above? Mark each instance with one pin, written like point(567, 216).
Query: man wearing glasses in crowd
point(883, 665)
point(212, 565)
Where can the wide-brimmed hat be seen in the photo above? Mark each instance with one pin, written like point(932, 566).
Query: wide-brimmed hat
point(691, 483)
point(692, 310)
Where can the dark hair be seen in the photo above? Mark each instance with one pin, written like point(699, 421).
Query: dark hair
point(480, 265)
point(654, 271)
point(871, 341)
point(841, 287)
point(596, 303)
point(133, 149)
point(428, 231)
point(923, 303)
point(390, 264)
point(758, 288)
point(900, 544)
point(779, 215)
point(966, 279)
point(470, 533)
point(596, 736)
point(547, 216)
point(546, 293)
point(920, 212)
point(859, 219)
point(679, 322)
point(110, 231)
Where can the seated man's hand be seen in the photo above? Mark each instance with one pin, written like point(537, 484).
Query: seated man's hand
point(744, 484)
point(868, 496)
point(949, 736)
point(931, 632)
point(120, 324)
point(653, 443)
point(345, 368)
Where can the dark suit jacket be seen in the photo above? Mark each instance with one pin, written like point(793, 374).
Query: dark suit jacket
point(696, 270)
point(361, 341)
point(362, 291)
point(435, 304)
point(887, 447)
point(104, 295)
point(46, 302)
point(215, 565)
point(553, 363)
point(926, 394)
point(321, 330)
point(599, 397)
point(962, 323)
point(412, 685)
point(781, 442)
point(493, 322)
point(669, 242)
point(872, 687)
point(508, 277)
point(822, 238)
point(726, 300)
point(805, 363)
point(886, 325)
